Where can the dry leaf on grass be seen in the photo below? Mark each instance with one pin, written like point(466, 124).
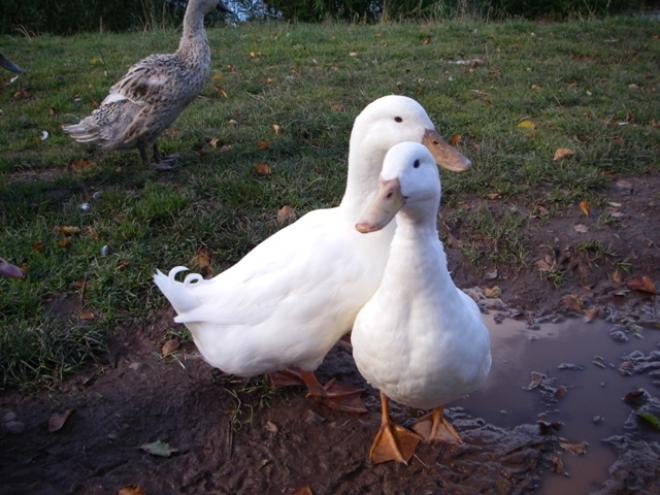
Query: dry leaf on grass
point(561, 153)
point(286, 215)
point(58, 419)
point(526, 124)
point(263, 144)
point(454, 139)
point(262, 169)
point(580, 228)
point(584, 207)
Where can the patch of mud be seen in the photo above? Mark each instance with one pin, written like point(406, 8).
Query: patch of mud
point(238, 437)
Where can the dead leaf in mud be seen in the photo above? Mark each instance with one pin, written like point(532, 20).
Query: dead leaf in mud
point(285, 215)
point(581, 228)
point(561, 153)
point(649, 418)
point(158, 448)
point(642, 284)
point(557, 465)
point(633, 398)
point(546, 428)
point(305, 490)
point(271, 427)
point(170, 346)
point(492, 293)
point(537, 378)
point(560, 392)
point(584, 207)
point(131, 490)
point(57, 420)
point(575, 448)
point(573, 301)
point(624, 184)
point(590, 314)
point(453, 241)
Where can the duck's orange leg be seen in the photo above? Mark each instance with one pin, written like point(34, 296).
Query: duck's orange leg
point(433, 427)
point(392, 442)
point(337, 396)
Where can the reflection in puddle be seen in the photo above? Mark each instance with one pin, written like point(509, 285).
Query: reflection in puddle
point(592, 391)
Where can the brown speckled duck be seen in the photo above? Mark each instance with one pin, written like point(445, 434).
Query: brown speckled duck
point(152, 94)
point(8, 64)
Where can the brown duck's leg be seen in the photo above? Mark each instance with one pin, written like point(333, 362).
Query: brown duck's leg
point(392, 442)
point(161, 162)
point(337, 396)
point(433, 427)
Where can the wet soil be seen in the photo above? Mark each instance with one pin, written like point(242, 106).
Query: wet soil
point(236, 436)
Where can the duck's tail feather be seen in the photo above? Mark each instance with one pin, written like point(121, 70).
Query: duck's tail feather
point(85, 131)
point(179, 294)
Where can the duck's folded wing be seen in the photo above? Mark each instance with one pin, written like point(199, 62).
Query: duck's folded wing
point(148, 81)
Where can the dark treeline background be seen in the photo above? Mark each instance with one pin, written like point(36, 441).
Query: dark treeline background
point(34, 17)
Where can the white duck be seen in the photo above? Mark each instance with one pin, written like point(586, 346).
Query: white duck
point(152, 94)
point(289, 300)
point(419, 339)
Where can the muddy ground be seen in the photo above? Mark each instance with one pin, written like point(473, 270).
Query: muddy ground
point(235, 436)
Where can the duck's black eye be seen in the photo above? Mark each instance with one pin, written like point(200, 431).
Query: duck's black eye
point(416, 164)
point(398, 119)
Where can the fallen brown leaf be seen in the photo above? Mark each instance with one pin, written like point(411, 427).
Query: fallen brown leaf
point(561, 153)
point(263, 145)
point(575, 448)
point(286, 215)
point(584, 207)
point(573, 301)
point(581, 228)
point(170, 346)
point(271, 427)
point(262, 169)
point(590, 314)
point(213, 142)
point(131, 490)
point(276, 128)
point(537, 378)
point(454, 139)
point(87, 316)
point(58, 419)
point(492, 293)
point(641, 283)
point(221, 92)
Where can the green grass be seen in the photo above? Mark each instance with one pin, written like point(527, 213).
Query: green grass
point(572, 80)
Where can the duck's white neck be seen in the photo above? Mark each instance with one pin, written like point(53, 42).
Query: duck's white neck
point(365, 160)
point(194, 45)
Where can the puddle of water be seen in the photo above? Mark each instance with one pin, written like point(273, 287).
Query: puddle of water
point(592, 391)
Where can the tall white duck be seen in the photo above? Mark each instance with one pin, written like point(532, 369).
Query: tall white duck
point(289, 300)
point(152, 94)
point(419, 340)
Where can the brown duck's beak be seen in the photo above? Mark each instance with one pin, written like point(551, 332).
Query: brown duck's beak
point(383, 208)
point(445, 155)
point(222, 7)
point(9, 270)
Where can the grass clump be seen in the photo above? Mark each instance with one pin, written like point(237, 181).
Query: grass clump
point(277, 99)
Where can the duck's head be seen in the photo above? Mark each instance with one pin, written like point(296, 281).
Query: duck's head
point(8, 64)
point(207, 6)
point(394, 119)
point(409, 180)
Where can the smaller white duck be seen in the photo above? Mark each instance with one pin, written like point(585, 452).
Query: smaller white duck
point(8, 64)
point(420, 340)
point(152, 94)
